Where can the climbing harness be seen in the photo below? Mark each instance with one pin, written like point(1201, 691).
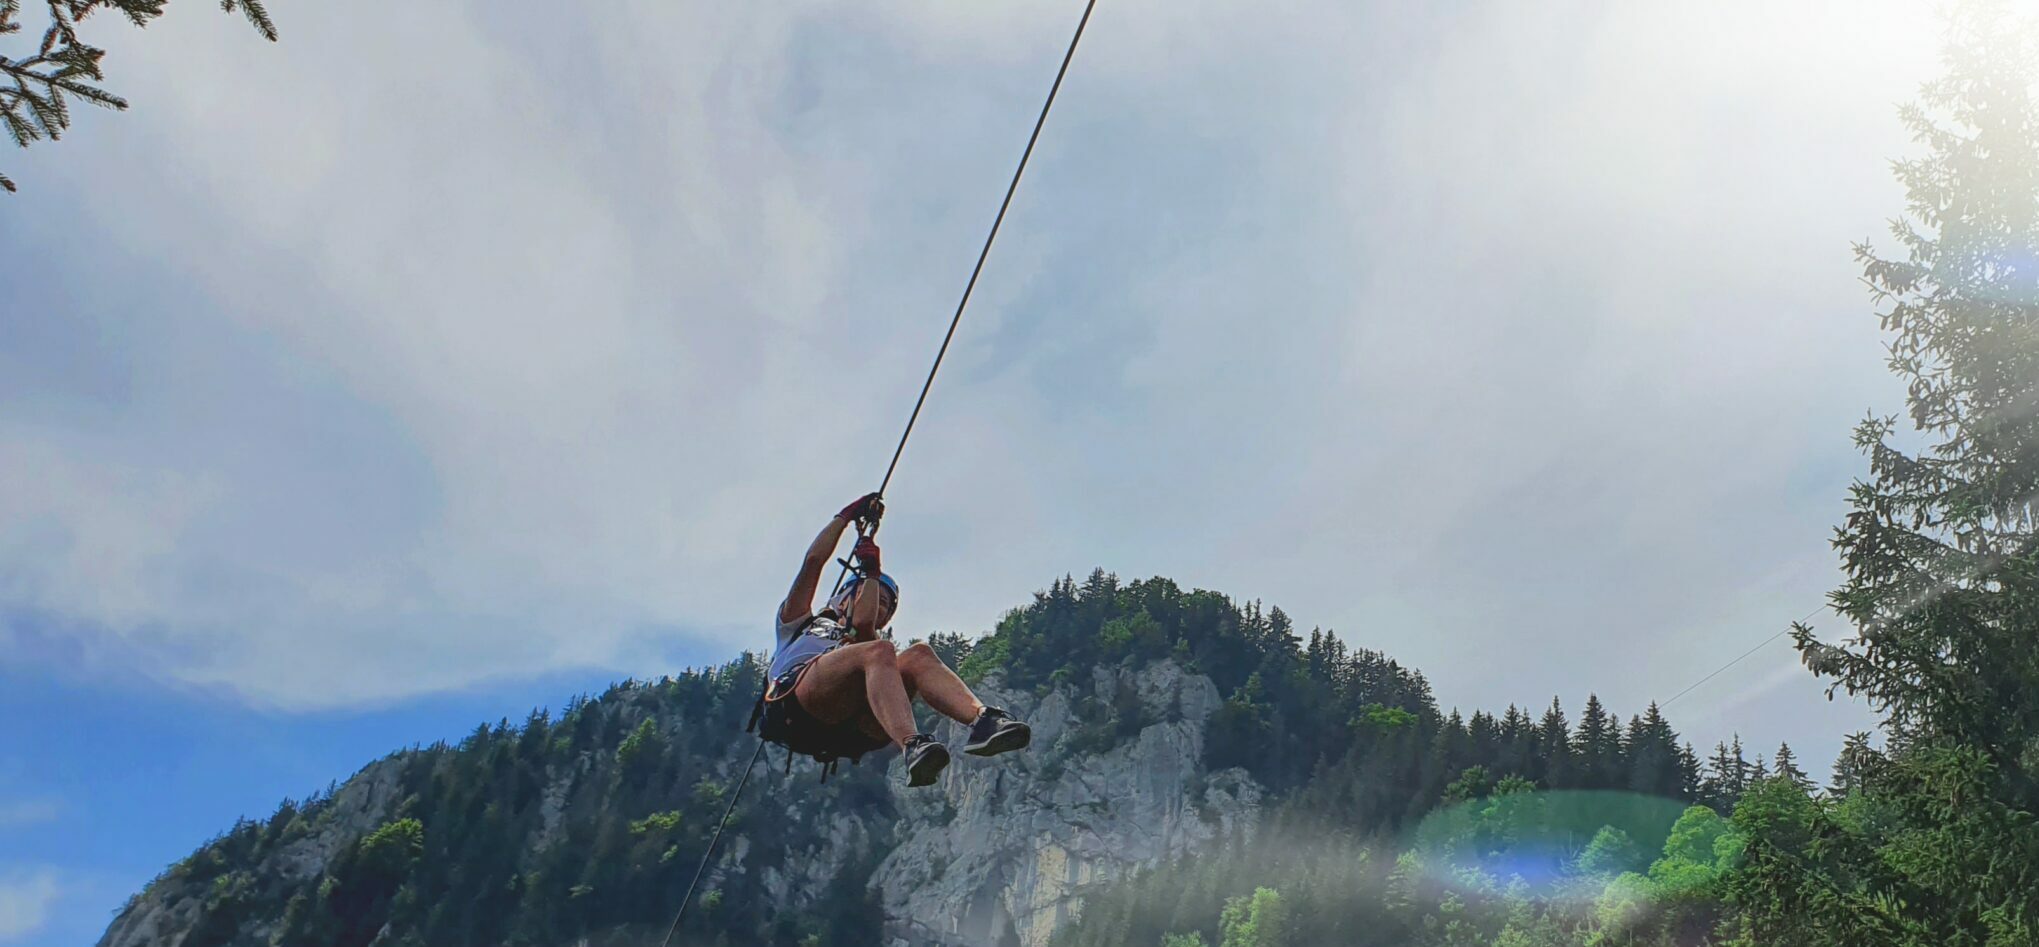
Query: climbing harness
point(781, 719)
point(778, 717)
point(954, 321)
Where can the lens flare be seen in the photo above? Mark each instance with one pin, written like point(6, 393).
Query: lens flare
point(1563, 844)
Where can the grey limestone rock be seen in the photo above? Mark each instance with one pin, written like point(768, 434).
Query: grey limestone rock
point(1004, 853)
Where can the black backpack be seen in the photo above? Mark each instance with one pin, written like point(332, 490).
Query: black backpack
point(777, 717)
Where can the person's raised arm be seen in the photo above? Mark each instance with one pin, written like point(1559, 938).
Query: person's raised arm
point(799, 601)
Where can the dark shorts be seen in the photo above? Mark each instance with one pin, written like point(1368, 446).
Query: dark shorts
point(788, 724)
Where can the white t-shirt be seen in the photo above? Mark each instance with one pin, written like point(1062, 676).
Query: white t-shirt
point(805, 639)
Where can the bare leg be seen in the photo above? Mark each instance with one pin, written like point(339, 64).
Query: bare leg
point(855, 680)
point(938, 686)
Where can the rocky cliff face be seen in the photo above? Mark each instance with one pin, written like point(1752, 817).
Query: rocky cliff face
point(167, 913)
point(999, 854)
point(1004, 853)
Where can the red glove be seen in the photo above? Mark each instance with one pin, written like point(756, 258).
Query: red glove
point(869, 506)
point(867, 555)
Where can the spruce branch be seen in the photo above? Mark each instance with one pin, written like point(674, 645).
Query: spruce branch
point(34, 89)
point(256, 14)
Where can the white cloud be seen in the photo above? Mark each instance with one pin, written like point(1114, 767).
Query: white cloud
point(25, 900)
point(22, 812)
point(1512, 341)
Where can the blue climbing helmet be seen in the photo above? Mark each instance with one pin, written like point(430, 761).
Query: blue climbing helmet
point(841, 602)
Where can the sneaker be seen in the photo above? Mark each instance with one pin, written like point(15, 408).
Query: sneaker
point(996, 732)
point(925, 760)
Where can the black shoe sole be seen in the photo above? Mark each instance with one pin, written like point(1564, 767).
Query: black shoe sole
point(925, 770)
point(1004, 741)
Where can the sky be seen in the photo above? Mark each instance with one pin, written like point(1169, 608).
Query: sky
point(442, 361)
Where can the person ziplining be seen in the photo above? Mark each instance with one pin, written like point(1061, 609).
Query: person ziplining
point(834, 684)
point(839, 690)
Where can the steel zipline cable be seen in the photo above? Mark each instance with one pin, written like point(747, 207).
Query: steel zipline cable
point(919, 402)
point(990, 238)
point(1742, 657)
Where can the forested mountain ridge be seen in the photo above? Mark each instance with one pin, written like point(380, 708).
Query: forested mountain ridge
point(1169, 723)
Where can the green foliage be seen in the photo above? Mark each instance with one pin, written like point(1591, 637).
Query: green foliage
point(1385, 718)
point(953, 649)
point(987, 656)
point(1474, 783)
point(1611, 852)
point(1699, 838)
point(392, 849)
point(1513, 834)
point(1135, 633)
point(658, 823)
point(640, 751)
point(38, 89)
point(1256, 920)
point(1510, 785)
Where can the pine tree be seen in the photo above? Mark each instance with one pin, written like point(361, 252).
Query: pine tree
point(1727, 777)
point(1935, 839)
point(1555, 767)
point(1691, 777)
point(1597, 747)
point(1742, 770)
point(1786, 765)
point(1852, 766)
point(1446, 757)
point(1483, 738)
point(1654, 760)
point(1279, 626)
point(1940, 546)
point(1518, 743)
